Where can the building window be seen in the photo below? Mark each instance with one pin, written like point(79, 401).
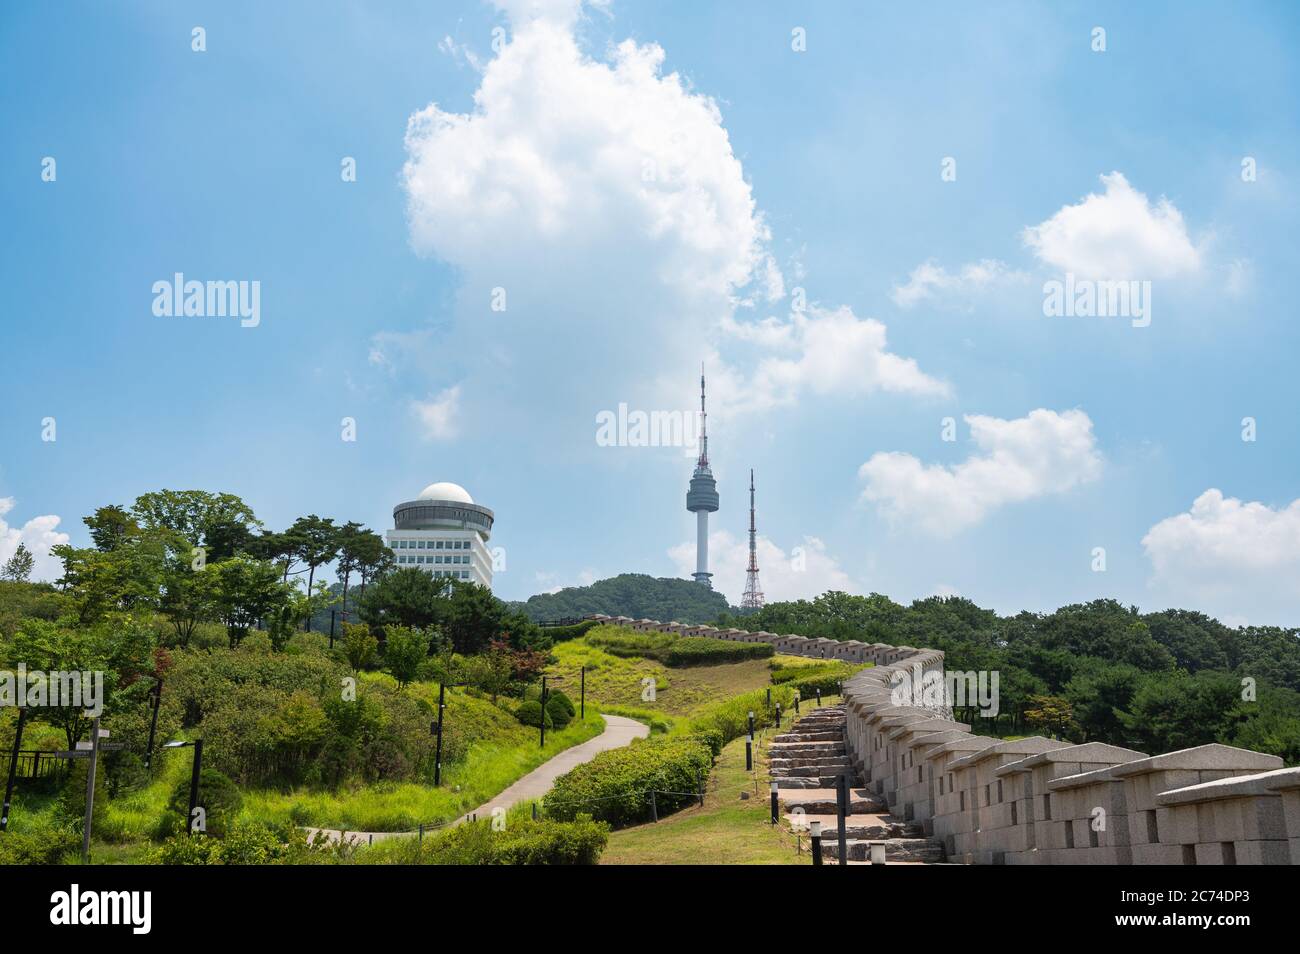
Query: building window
point(439, 544)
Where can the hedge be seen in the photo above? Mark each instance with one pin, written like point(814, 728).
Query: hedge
point(615, 785)
point(543, 842)
point(808, 679)
point(730, 719)
point(697, 650)
point(559, 634)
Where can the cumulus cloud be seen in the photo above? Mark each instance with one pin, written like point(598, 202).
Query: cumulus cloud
point(826, 351)
point(1033, 456)
point(1119, 234)
point(39, 534)
point(439, 417)
point(930, 281)
point(805, 571)
point(1225, 540)
point(602, 198)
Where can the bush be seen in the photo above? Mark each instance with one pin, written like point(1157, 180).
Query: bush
point(545, 842)
point(530, 713)
point(247, 842)
point(559, 634)
point(731, 718)
point(615, 785)
point(702, 650)
point(218, 797)
point(808, 679)
point(557, 695)
point(46, 844)
point(559, 714)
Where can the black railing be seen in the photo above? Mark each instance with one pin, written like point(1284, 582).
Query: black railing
point(35, 764)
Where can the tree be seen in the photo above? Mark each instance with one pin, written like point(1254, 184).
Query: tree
point(110, 527)
point(18, 568)
point(359, 646)
point(373, 557)
point(318, 543)
point(406, 597)
point(491, 671)
point(1050, 714)
point(350, 542)
point(474, 616)
point(189, 597)
point(220, 523)
point(247, 590)
point(404, 650)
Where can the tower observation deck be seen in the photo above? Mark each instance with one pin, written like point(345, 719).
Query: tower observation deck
point(702, 498)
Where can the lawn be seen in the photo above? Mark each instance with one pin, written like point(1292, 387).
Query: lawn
point(618, 683)
point(727, 830)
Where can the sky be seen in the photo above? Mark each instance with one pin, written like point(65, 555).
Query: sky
point(479, 229)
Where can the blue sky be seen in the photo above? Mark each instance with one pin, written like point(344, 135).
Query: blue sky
point(652, 186)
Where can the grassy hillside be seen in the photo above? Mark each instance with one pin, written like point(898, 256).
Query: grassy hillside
point(631, 594)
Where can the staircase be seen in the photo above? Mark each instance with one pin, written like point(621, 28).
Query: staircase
point(806, 763)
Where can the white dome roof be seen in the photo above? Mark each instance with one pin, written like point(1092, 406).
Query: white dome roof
point(445, 490)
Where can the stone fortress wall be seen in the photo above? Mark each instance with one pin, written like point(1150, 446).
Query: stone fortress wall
point(1037, 800)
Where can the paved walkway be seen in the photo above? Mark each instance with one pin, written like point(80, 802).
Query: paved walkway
point(619, 731)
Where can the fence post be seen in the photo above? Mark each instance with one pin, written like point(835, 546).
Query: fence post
point(421, 834)
point(699, 784)
point(654, 808)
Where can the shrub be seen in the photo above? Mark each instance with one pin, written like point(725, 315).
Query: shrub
point(559, 634)
point(615, 785)
point(730, 718)
point(247, 842)
point(218, 797)
point(702, 650)
point(45, 844)
point(545, 842)
point(557, 695)
point(808, 679)
point(530, 713)
point(559, 714)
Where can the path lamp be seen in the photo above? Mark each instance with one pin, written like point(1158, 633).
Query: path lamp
point(815, 830)
point(194, 777)
point(751, 723)
point(749, 752)
point(436, 729)
point(775, 806)
point(153, 724)
point(584, 693)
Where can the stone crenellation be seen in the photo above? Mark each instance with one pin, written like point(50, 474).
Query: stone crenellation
point(1037, 800)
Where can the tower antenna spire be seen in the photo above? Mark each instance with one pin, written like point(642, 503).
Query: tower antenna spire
point(704, 423)
point(753, 598)
point(702, 498)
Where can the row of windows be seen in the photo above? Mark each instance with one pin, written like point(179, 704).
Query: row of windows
point(459, 558)
point(432, 545)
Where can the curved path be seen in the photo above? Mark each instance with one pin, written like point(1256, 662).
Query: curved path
point(619, 731)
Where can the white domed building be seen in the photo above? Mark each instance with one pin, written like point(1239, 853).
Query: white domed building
point(444, 532)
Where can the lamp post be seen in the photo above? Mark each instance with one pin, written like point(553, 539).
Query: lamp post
point(194, 777)
point(153, 724)
point(584, 693)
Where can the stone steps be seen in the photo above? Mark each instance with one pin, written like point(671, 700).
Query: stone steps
point(807, 763)
point(897, 850)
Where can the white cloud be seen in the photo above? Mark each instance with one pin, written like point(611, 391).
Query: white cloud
point(439, 417)
point(603, 196)
point(835, 352)
point(1237, 558)
point(39, 534)
point(1033, 456)
point(1116, 235)
point(931, 281)
point(803, 572)
point(1226, 541)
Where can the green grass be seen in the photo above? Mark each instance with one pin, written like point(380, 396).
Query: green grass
point(727, 830)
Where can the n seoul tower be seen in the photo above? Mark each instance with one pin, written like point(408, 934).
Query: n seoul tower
point(702, 497)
